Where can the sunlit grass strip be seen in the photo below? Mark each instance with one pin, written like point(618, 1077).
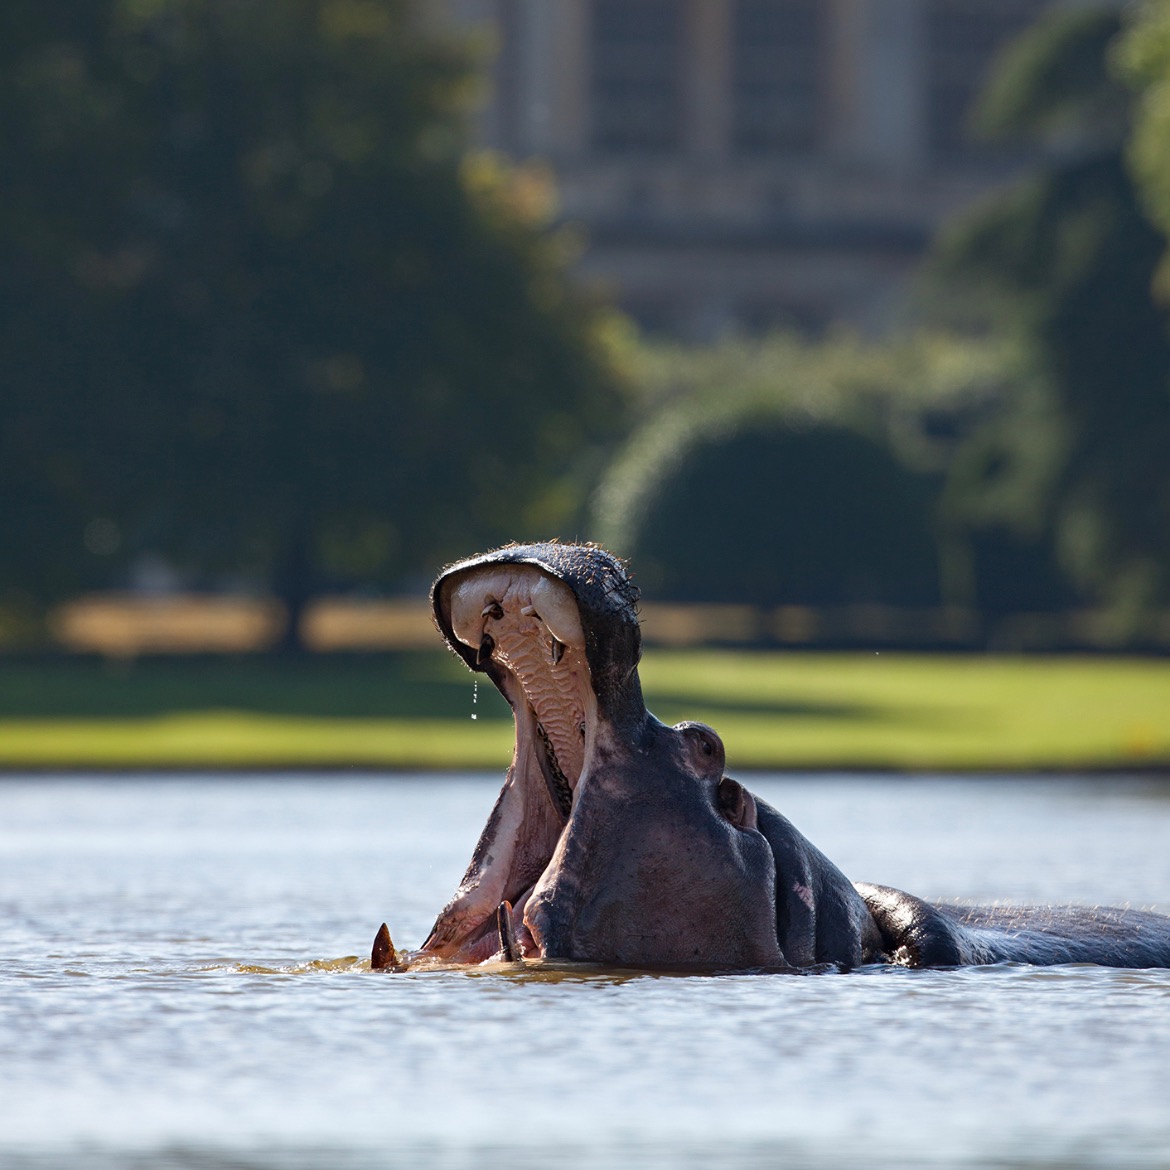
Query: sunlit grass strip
point(774, 710)
point(919, 712)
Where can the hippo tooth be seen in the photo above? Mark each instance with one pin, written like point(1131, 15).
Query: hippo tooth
point(507, 932)
point(485, 650)
point(489, 594)
point(558, 610)
point(558, 650)
point(383, 955)
point(472, 600)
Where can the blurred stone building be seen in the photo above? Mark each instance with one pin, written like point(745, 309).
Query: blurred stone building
point(748, 163)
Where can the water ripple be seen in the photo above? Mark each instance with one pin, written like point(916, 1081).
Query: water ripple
point(170, 1002)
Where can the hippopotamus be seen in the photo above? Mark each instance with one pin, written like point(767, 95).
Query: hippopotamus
point(621, 841)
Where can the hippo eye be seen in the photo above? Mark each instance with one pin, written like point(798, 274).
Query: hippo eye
point(704, 748)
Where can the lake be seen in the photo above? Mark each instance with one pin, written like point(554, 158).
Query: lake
point(178, 989)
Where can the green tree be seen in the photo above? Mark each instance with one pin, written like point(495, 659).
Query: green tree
point(783, 470)
point(261, 312)
point(1075, 457)
point(1144, 57)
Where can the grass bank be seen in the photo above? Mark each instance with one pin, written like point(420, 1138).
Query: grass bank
point(415, 710)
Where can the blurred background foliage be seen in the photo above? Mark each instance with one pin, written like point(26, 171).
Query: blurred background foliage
point(266, 320)
point(262, 316)
point(791, 471)
point(1014, 453)
point(1075, 458)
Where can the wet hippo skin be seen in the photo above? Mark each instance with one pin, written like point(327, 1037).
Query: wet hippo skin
point(619, 840)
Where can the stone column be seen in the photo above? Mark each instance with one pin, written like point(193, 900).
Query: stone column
point(484, 19)
point(571, 78)
point(552, 77)
point(706, 78)
point(878, 88)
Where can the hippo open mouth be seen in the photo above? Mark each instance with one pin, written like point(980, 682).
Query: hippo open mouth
point(555, 628)
point(618, 840)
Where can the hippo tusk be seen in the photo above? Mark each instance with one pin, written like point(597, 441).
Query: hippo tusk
point(558, 610)
point(507, 933)
point(383, 955)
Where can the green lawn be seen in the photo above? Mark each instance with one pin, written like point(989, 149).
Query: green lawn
point(774, 710)
point(918, 712)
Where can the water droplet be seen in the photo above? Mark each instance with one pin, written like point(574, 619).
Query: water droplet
point(474, 696)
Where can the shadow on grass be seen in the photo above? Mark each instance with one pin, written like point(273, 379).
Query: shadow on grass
point(409, 685)
point(674, 702)
point(404, 685)
point(675, 706)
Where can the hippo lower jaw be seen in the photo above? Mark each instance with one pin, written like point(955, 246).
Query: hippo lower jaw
point(521, 626)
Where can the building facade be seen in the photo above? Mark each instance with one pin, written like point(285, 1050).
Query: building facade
point(749, 164)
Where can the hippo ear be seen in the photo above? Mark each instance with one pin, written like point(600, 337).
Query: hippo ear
point(736, 803)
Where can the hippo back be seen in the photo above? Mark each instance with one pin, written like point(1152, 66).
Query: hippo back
point(923, 934)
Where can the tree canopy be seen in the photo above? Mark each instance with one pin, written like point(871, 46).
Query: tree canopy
point(1016, 461)
point(789, 471)
point(1143, 56)
point(1064, 259)
point(261, 312)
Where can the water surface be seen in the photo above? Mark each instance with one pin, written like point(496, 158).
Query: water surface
point(181, 986)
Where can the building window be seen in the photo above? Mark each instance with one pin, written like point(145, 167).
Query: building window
point(777, 63)
point(962, 40)
point(635, 100)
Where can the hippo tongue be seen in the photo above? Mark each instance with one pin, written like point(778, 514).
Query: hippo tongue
point(524, 628)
